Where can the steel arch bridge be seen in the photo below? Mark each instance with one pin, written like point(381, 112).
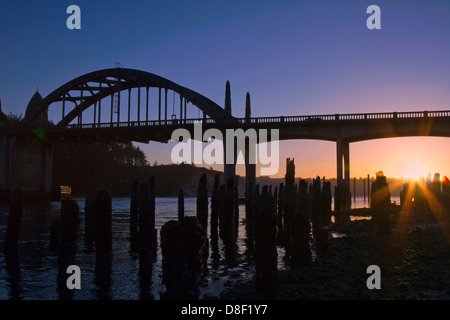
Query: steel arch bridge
point(86, 97)
point(89, 90)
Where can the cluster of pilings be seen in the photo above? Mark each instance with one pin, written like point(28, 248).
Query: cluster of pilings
point(284, 217)
point(380, 206)
point(63, 238)
point(185, 248)
point(428, 198)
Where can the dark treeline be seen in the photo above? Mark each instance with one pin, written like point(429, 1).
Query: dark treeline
point(114, 167)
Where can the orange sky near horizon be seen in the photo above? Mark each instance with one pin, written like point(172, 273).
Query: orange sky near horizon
point(405, 157)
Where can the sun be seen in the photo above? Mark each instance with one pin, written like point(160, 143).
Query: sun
point(415, 170)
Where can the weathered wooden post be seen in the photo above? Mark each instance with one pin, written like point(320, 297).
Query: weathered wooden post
point(289, 199)
point(227, 232)
point(134, 216)
point(69, 229)
point(11, 249)
point(326, 203)
point(316, 206)
point(380, 204)
point(249, 211)
point(321, 234)
point(215, 202)
point(102, 209)
point(202, 201)
point(182, 245)
point(299, 238)
point(180, 204)
point(266, 249)
point(153, 236)
point(340, 211)
point(66, 257)
point(89, 219)
point(364, 189)
point(202, 217)
point(445, 199)
point(145, 226)
point(222, 218)
point(146, 234)
point(280, 207)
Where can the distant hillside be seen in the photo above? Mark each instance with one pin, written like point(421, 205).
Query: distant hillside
point(115, 166)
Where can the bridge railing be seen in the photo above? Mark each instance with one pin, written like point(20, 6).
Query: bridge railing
point(275, 120)
point(343, 117)
point(153, 123)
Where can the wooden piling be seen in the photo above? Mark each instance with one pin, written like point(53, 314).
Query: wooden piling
point(326, 203)
point(266, 251)
point(68, 243)
point(215, 202)
point(89, 219)
point(13, 228)
point(134, 216)
point(182, 245)
point(180, 204)
point(364, 188)
point(300, 249)
point(226, 227)
point(153, 236)
point(69, 229)
point(380, 205)
point(289, 199)
point(316, 206)
point(102, 208)
point(202, 201)
point(280, 211)
point(249, 211)
point(145, 226)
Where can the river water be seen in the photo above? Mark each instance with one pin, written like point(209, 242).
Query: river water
point(37, 279)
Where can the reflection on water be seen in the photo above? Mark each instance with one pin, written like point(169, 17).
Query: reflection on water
point(130, 277)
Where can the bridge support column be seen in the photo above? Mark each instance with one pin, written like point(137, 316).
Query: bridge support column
point(250, 168)
point(339, 162)
point(346, 153)
point(343, 162)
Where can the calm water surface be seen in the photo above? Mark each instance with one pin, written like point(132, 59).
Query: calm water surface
point(39, 269)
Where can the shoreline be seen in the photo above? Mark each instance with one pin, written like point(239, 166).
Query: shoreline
point(414, 261)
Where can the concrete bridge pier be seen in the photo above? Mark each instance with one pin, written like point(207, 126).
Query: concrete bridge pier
point(229, 169)
point(250, 168)
point(343, 169)
point(343, 162)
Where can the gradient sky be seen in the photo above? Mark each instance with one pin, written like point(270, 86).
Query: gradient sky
point(294, 57)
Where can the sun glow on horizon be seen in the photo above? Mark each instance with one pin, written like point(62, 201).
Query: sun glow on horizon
point(415, 171)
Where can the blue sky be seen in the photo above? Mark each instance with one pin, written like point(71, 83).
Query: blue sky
point(294, 57)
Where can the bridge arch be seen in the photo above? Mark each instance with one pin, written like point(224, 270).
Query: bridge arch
point(90, 89)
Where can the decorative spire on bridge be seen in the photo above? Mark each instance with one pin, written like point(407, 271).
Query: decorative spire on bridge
point(228, 99)
point(248, 111)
